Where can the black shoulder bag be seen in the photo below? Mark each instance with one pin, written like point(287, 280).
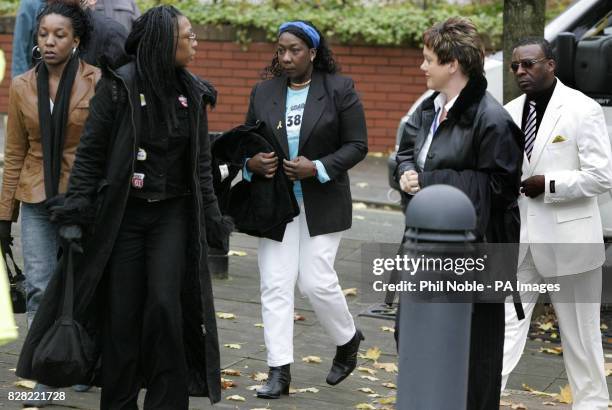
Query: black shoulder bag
point(65, 354)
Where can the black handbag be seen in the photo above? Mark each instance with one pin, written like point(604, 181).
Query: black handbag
point(65, 354)
point(16, 281)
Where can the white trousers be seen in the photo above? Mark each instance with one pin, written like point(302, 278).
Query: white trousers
point(580, 333)
point(309, 261)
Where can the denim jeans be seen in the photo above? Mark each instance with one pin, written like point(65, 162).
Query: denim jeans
point(40, 243)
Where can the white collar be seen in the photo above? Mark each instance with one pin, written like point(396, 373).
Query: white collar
point(440, 101)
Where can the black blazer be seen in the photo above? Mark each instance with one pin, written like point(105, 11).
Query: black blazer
point(333, 131)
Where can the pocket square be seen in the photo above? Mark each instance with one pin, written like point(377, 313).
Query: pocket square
point(559, 138)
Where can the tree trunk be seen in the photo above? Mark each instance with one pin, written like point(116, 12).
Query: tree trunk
point(522, 18)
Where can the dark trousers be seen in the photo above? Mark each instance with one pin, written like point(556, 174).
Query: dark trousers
point(486, 356)
point(143, 340)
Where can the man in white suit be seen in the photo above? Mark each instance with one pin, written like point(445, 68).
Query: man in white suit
point(567, 163)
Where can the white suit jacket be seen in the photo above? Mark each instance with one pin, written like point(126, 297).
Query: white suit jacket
point(563, 228)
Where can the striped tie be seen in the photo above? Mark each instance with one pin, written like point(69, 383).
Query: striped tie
point(530, 129)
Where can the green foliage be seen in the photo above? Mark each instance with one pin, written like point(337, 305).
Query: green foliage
point(8, 7)
point(378, 22)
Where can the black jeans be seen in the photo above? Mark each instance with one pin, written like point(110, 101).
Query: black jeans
point(143, 334)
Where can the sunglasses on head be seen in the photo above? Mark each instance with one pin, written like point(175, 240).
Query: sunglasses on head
point(526, 64)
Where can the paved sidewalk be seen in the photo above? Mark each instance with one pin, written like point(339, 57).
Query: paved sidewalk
point(239, 295)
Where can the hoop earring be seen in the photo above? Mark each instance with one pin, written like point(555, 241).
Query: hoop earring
point(36, 50)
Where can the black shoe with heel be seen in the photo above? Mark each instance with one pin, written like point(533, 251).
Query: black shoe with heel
point(345, 359)
point(278, 382)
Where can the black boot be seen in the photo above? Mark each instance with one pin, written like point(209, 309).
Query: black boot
point(345, 359)
point(278, 382)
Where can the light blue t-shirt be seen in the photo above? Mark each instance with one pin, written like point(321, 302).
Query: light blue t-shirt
point(294, 112)
point(296, 100)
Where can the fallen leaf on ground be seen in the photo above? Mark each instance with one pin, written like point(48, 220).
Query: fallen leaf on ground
point(227, 383)
point(565, 395)
point(376, 154)
point(388, 367)
point(223, 315)
point(232, 346)
point(390, 386)
point(26, 384)
point(549, 403)
point(237, 253)
point(311, 359)
point(12, 370)
point(372, 353)
point(359, 217)
point(366, 390)
point(387, 400)
point(374, 395)
point(259, 325)
point(359, 205)
point(504, 403)
point(519, 406)
point(546, 326)
point(307, 390)
point(604, 326)
point(255, 387)
point(298, 318)
point(554, 335)
point(537, 392)
point(608, 369)
point(387, 329)
point(350, 292)
point(259, 376)
point(366, 370)
point(236, 397)
point(230, 372)
point(362, 184)
point(370, 378)
point(552, 350)
point(364, 406)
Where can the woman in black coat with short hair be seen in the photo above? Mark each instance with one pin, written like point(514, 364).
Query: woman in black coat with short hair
point(142, 174)
point(317, 119)
point(461, 136)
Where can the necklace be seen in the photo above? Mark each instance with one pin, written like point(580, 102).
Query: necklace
point(301, 84)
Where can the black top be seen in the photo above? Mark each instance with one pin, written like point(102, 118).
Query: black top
point(161, 169)
point(333, 131)
point(476, 149)
point(541, 99)
point(106, 41)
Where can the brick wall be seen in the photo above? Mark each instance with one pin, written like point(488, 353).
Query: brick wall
point(387, 79)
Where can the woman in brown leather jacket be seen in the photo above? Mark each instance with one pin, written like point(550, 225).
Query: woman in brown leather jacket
point(48, 106)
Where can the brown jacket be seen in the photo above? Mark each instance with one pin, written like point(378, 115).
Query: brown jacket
point(23, 178)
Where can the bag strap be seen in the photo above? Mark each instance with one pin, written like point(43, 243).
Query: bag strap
point(68, 307)
point(18, 275)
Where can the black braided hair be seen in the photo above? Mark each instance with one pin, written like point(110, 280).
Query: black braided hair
point(324, 60)
point(153, 41)
point(71, 9)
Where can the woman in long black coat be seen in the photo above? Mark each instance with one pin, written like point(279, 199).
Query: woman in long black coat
point(461, 136)
point(141, 191)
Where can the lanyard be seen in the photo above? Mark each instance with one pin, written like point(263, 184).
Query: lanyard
point(435, 125)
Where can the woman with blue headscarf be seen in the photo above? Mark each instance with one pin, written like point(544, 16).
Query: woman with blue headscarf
point(318, 121)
